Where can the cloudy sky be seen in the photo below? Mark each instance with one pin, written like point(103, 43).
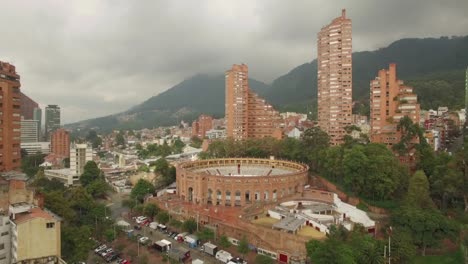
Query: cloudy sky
point(100, 57)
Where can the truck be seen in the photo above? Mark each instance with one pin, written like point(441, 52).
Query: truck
point(161, 246)
point(210, 249)
point(154, 225)
point(223, 256)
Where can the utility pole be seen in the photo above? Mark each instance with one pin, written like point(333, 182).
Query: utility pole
point(198, 218)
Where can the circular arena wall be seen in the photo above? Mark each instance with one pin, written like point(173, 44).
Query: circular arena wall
point(239, 181)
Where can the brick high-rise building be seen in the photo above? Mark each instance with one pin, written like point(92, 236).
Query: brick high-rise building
point(201, 125)
point(390, 100)
point(10, 110)
point(247, 115)
point(52, 119)
point(60, 143)
point(27, 107)
point(334, 76)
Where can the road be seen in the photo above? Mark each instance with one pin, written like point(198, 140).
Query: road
point(115, 205)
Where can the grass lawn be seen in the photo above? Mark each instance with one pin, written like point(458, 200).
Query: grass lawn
point(310, 232)
point(265, 221)
point(455, 258)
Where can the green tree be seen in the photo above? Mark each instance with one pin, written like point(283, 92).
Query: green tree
point(163, 217)
point(94, 139)
point(161, 166)
point(356, 167)
point(151, 210)
point(91, 172)
point(427, 227)
point(178, 146)
point(98, 188)
point(315, 141)
point(403, 250)
point(243, 247)
point(418, 191)
point(76, 244)
point(206, 234)
point(30, 164)
point(196, 142)
point(330, 251)
point(129, 203)
point(224, 242)
point(141, 189)
point(190, 225)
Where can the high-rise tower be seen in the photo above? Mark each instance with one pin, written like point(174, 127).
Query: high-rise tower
point(52, 120)
point(10, 124)
point(247, 115)
point(334, 76)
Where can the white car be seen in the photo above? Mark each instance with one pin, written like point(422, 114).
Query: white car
point(106, 252)
point(141, 219)
point(100, 248)
point(143, 240)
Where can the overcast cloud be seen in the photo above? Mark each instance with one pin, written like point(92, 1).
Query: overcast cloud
point(95, 58)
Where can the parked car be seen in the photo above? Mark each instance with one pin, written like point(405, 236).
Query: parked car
point(107, 252)
point(111, 257)
point(100, 248)
point(143, 240)
point(145, 223)
point(141, 219)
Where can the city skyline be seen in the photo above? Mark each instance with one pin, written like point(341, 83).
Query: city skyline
point(96, 51)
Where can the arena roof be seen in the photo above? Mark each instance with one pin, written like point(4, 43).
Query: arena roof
point(245, 170)
point(289, 224)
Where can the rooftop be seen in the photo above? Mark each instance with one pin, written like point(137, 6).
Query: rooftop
point(289, 223)
point(35, 212)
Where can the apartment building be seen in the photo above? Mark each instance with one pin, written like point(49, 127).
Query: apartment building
point(334, 78)
point(390, 101)
point(10, 116)
point(247, 114)
point(60, 143)
point(201, 126)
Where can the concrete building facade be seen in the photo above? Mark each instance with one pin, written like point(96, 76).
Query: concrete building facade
point(37, 115)
point(52, 119)
point(10, 116)
point(247, 115)
point(239, 181)
point(390, 101)
point(201, 126)
point(35, 235)
point(60, 143)
point(29, 130)
point(334, 77)
point(79, 155)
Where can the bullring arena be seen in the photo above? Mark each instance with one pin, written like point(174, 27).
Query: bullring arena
point(267, 201)
point(239, 181)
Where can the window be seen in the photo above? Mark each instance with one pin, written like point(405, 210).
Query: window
point(4, 233)
point(50, 225)
point(2, 246)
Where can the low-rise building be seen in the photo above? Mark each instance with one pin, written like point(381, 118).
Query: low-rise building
point(35, 235)
point(36, 147)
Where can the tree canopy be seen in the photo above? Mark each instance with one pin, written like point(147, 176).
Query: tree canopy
point(141, 189)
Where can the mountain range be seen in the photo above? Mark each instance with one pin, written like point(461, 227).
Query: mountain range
point(433, 66)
